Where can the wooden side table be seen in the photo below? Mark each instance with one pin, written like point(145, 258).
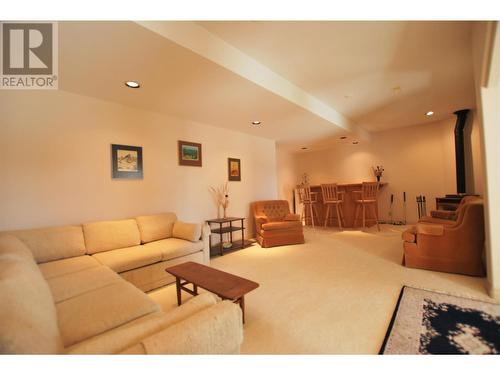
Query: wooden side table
point(225, 225)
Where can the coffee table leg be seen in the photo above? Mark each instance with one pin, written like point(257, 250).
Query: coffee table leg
point(195, 289)
point(178, 285)
point(242, 305)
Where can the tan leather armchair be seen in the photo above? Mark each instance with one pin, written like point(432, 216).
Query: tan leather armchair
point(448, 217)
point(275, 225)
point(455, 247)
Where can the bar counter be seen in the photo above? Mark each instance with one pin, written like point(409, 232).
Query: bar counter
point(349, 205)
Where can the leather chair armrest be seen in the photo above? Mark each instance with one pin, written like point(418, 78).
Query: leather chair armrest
point(445, 215)
point(430, 229)
point(409, 235)
point(259, 220)
point(292, 217)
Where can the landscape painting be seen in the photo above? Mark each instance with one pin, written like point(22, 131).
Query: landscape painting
point(234, 169)
point(126, 162)
point(190, 153)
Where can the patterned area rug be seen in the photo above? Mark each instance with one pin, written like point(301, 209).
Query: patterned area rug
point(426, 322)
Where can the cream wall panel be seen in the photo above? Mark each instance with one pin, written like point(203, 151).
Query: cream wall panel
point(56, 168)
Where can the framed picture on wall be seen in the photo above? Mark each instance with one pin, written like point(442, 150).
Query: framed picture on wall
point(190, 153)
point(126, 161)
point(233, 169)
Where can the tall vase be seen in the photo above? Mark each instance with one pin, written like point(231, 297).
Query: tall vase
point(378, 178)
point(225, 216)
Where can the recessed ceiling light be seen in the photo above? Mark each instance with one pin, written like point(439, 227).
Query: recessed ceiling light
point(343, 137)
point(256, 122)
point(355, 142)
point(304, 148)
point(429, 114)
point(132, 84)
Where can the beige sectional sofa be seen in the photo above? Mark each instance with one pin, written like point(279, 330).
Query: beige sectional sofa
point(79, 289)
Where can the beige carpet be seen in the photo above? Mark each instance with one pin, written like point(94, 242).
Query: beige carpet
point(333, 295)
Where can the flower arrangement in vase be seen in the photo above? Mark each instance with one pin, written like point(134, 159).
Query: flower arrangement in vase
point(378, 171)
point(221, 198)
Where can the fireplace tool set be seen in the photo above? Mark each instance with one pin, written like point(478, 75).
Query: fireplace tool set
point(421, 206)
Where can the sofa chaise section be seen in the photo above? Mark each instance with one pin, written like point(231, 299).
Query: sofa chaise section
point(77, 305)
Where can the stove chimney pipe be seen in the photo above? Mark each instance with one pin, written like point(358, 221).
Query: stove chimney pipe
point(460, 149)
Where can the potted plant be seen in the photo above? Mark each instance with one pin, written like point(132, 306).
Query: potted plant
point(378, 171)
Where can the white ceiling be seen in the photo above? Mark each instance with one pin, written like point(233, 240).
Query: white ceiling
point(430, 61)
point(177, 82)
point(354, 66)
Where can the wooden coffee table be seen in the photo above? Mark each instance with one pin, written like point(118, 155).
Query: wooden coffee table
point(223, 284)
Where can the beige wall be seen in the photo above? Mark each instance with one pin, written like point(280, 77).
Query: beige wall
point(486, 59)
point(55, 162)
point(418, 160)
point(286, 174)
point(474, 155)
point(490, 97)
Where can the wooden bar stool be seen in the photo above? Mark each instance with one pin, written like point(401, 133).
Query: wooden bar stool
point(333, 197)
point(367, 199)
point(309, 200)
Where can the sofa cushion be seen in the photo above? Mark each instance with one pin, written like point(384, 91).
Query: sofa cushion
point(156, 227)
point(175, 247)
point(110, 235)
point(187, 231)
point(28, 319)
point(11, 246)
point(121, 260)
point(100, 310)
point(76, 283)
point(215, 330)
point(66, 266)
point(53, 243)
point(118, 339)
point(282, 225)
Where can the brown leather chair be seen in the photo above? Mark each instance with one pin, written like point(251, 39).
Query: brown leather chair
point(448, 217)
point(455, 246)
point(275, 225)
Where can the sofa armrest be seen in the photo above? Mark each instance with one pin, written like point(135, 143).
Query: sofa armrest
point(205, 237)
point(292, 217)
point(430, 229)
point(216, 330)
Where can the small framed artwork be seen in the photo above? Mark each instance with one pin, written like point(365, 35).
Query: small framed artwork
point(233, 169)
point(190, 153)
point(126, 161)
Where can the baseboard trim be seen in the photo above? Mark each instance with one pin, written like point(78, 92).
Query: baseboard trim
point(492, 292)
